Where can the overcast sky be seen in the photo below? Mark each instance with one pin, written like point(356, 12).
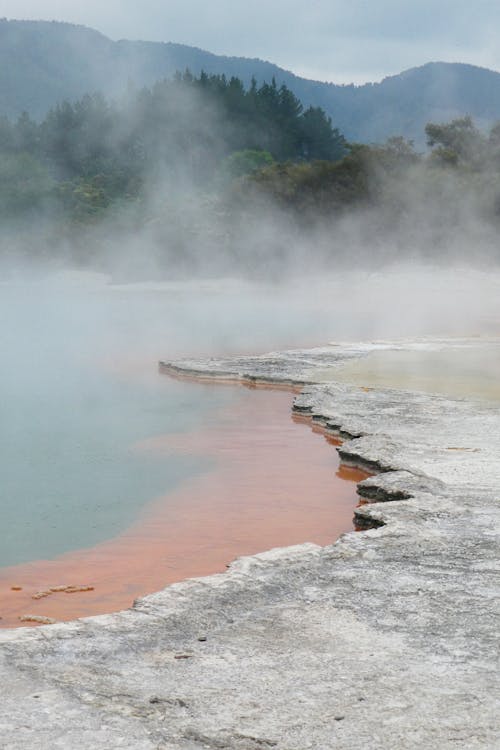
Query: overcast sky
point(336, 40)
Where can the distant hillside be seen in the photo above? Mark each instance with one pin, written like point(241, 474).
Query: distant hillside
point(403, 104)
point(43, 63)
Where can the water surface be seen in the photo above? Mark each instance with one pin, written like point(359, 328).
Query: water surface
point(79, 388)
point(272, 483)
point(468, 371)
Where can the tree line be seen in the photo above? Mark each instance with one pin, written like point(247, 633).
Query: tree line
point(87, 156)
point(205, 167)
point(461, 159)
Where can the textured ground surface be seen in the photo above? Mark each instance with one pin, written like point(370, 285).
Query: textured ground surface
point(388, 639)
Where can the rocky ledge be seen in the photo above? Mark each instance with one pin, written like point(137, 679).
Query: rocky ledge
point(388, 639)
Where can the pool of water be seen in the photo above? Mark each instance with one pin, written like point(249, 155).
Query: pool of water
point(273, 483)
point(79, 387)
point(80, 391)
point(466, 371)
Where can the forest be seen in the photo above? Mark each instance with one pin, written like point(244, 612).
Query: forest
point(85, 157)
point(207, 172)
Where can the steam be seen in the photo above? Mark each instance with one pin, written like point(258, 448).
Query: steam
point(404, 244)
point(80, 385)
point(202, 262)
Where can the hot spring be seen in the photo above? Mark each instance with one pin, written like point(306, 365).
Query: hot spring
point(99, 452)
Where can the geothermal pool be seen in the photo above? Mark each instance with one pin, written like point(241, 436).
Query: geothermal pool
point(120, 478)
point(80, 390)
point(268, 482)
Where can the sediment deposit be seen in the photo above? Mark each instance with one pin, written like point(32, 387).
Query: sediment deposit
point(386, 639)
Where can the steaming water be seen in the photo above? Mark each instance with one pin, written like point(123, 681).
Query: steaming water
point(79, 386)
point(70, 420)
point(80, 389)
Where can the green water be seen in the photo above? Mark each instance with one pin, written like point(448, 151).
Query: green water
point(469, 371)
point(79, 389)
point(70, 474)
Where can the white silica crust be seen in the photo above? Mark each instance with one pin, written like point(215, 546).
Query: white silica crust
point(386, 640)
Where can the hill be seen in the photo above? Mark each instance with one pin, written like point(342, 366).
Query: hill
point(403, 104)
point(43, 63)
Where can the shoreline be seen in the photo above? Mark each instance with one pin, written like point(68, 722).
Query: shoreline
point(166, 544)
point(388, 638)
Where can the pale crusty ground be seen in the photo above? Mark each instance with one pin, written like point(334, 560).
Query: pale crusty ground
point(388, 639)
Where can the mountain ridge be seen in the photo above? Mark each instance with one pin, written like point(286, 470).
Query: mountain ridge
point(45, 62)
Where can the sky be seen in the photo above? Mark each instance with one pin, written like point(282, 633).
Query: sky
point(344, 41)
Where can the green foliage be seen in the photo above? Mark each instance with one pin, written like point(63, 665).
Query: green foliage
point(318, 140)
point(392, 180)
point(245, 162)
point(457, 142)
point(324, 187)
point(193, 156)
point(98, 153)
point(78, 139)
point(25, 185)
point(314, 188)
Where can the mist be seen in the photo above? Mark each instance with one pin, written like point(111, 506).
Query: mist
point(201, 178)
point(123, 245)
point(248, 397)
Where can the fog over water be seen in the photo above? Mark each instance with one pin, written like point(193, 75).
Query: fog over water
point(80, 387)
point(182, 271)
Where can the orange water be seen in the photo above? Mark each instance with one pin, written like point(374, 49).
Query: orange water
point(275, 482)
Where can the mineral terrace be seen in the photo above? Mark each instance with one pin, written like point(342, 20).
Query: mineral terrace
point(386, 640)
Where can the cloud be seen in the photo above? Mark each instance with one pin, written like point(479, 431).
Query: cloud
point(326, 39)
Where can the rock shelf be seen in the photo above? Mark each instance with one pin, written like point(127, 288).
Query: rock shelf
point(386, 639)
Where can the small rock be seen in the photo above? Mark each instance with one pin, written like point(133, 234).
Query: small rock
point(40, 619)
point(183, 656)
point(61, 589)
point(16, 588)
point(339, 718)
point(77, 589)
point(202, 638)
point(41, 594)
